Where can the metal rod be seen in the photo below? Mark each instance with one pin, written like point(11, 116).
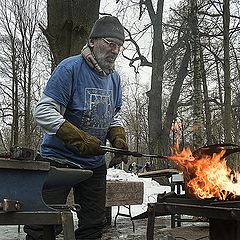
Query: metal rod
point(137, 154)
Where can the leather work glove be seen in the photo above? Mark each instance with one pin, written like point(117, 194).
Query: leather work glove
point(79, 140)
point(117, 137)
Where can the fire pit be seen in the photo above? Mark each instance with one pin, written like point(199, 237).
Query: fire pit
point(211, 187)
point(211, 190)
point(224, 216)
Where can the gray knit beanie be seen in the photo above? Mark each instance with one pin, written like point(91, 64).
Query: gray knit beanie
point(107, 26)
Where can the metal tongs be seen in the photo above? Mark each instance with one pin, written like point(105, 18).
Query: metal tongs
point(131, 153)
point(123, 151)
point(197, 154)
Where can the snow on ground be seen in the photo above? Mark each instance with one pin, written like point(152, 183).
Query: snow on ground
point(151, 189)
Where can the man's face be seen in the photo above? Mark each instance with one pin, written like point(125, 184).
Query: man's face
point(106, 51)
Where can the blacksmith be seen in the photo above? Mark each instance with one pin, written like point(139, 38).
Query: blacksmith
point(78, 111)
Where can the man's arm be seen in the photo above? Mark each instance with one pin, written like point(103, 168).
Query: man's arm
point(49, 114)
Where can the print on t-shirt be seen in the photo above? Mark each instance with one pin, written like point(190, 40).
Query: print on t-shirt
point(99, 109)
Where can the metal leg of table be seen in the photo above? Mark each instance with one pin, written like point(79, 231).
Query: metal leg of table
point(124, 215)
point(151, 221)
point(109, 215)
point(68, 225)
point(224, 229)
point(176, 217)
point(49, 232)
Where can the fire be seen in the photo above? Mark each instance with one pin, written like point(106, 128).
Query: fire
point(207, 176)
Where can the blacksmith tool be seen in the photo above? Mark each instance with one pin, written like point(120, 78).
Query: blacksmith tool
point(138, 154)
point(207, 150)
point(128, 153)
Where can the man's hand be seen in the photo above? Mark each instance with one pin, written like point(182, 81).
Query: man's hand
point(117, 138)
point(79, 140)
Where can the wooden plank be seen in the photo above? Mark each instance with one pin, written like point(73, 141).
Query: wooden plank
point(158, 173)
point(24, 165)
point(120, 193)
point(34, 217)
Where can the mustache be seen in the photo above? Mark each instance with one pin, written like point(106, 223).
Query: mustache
point(111, 57)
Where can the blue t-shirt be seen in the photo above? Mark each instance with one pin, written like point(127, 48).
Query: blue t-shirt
point(90, 99)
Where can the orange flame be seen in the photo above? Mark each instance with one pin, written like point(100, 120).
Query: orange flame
point(208, 176)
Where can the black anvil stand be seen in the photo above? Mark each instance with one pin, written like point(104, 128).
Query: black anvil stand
point(21, 199)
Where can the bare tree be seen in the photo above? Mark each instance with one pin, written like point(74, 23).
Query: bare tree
point(27, 25)
point(160, 125)
point(135, 116)
point(197, 75)
point(10, 69)
point(204, 32)
point(18, 35)
point(227, 82)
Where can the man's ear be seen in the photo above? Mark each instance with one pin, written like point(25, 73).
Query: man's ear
point(91, 43)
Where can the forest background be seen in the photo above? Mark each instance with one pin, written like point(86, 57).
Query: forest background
point(180, 68)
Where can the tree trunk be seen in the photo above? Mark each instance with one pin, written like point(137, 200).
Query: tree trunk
point(227, 82)
point(155, 93)
point(208, 121)
point(171, 113)
point(15, 100)
point(159, 130)
point(69, 25)
point(197, 93)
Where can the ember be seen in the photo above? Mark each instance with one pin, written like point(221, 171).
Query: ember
point(207, 176)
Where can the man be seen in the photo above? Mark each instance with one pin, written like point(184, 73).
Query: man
point(79, 110)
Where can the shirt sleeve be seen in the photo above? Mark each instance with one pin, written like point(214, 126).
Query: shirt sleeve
point(117, 119)
point(49, 114)
point(59, 85)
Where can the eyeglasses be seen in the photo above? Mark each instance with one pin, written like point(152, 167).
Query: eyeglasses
point(114, 45)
